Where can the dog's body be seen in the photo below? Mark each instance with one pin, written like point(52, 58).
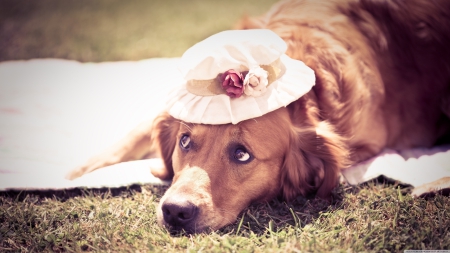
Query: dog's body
point(382, 81)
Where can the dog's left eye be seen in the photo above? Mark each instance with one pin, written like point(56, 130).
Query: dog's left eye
point(241, 155)
point(185, 142)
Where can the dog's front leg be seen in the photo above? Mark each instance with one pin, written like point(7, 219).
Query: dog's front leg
point(136, 145)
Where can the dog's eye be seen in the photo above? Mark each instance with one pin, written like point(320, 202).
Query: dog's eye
point(241, 155)
point(185, 142)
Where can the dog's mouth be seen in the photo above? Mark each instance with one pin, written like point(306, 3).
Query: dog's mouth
point(181, 213)
point(183, 229)
point(183, 223)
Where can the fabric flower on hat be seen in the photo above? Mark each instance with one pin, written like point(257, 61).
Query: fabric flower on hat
point(232, 83)
point(255, 82)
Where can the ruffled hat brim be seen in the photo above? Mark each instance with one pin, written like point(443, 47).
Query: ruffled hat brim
point(297, 80)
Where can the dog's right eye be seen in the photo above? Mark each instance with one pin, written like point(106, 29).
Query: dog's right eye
point(185, 142)
point(241, 155)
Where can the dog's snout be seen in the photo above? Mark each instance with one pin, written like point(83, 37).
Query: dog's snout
point(179, 213)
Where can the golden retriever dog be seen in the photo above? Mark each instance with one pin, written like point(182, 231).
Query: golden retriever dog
point(382, 81)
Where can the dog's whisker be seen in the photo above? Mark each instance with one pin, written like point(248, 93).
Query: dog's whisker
point(186, 125)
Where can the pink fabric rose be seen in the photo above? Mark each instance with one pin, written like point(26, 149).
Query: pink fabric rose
point(232, 83)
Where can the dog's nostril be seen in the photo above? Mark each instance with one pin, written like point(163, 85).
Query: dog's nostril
point(184, 216)
point(174, 211)
point(178, 211)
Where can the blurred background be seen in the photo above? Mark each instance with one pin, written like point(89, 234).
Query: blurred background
point(114, 30)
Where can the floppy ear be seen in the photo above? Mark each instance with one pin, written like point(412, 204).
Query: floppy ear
point(164, 134)
point(313, 162)
point(314, 159)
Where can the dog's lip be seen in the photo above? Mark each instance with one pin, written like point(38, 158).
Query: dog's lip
point(198, 225)
point(188, 229)
point(194, 227)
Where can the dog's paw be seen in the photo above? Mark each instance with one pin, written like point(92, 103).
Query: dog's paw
point(75, 173)
point(92, 164)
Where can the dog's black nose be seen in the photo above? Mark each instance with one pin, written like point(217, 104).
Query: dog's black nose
point(179, 213)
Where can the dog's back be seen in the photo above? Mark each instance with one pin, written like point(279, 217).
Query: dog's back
point(382, 67)
point(413, 52)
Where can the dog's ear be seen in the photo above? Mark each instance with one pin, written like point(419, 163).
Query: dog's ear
point(164, 134)
point(312, 163)
point(315, 157)
point(295, 173)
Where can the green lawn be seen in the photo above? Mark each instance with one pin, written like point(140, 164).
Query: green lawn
point(376, 216)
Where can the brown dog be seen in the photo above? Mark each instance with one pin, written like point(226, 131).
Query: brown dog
point(382, 80)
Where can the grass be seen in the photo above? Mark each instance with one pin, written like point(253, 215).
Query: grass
point(374, 217)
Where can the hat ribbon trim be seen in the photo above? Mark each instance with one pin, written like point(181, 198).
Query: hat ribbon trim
point(214, 87)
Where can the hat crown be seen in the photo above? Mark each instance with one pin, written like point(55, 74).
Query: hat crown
point(236, 49)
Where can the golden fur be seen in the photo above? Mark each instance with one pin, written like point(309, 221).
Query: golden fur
point(383, 80)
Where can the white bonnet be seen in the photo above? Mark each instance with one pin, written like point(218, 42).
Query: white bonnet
point(237, 75)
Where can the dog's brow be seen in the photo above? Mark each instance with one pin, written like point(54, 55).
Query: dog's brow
point(237, 132)
point(186, 125)
point(242, 122)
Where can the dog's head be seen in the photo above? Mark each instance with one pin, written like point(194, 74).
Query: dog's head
point(218, 170)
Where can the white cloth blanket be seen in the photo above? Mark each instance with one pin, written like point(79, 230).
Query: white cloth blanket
point(55, 114)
